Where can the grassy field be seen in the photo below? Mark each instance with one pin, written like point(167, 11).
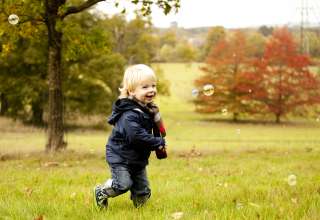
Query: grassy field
point(216, 169)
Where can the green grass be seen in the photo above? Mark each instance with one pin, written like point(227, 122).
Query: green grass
point(216, 169)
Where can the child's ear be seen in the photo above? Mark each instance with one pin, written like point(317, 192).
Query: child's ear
point(131, 93)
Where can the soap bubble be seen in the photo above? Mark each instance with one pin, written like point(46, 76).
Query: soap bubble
point(13, 19)
point(239, 205)
point(292, 180)
point(195, 92)
point(224, 111)
point(177, 215)
point(208, 90)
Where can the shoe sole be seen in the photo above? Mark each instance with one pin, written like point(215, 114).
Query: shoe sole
point(96, 205)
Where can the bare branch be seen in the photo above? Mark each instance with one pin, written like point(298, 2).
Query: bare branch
point(76, 9)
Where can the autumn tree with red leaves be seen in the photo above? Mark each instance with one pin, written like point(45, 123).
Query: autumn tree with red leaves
point(225, 65)
point(285, 76)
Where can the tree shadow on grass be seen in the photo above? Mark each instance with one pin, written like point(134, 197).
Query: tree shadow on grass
point(285, 122)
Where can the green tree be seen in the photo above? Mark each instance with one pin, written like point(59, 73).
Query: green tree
point(313, 43)
point(168, 38)
point(87, 55)
point(255, 44)
point(90, 66)
point(215, 34)
point(185, 52)
point(140, 44)
point(53, 13)
point(134, 40)
point(166, 53)
point(265, 30)
point(23, 78)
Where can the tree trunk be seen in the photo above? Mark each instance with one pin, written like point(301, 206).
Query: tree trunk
point(3, 104)
point(278, 118)
point(55, 140)
point(235, 116)
point(37, 111)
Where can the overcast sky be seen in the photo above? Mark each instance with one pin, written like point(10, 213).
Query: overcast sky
point(234, 13)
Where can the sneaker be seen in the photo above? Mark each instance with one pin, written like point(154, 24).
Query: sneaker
point(100, 197)
point(139, 201)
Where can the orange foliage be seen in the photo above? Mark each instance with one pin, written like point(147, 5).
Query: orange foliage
point(277, 83)
point(285, 76)
point(225, 67)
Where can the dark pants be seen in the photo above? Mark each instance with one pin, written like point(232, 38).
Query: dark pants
point(131, 178)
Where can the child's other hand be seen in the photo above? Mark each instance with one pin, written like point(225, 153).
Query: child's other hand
point(161, 152)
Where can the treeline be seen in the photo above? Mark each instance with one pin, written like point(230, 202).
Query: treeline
point(258, 76)
point(194, 44)
point(96, 50)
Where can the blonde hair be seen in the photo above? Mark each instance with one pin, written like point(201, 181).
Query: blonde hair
point(133, 76)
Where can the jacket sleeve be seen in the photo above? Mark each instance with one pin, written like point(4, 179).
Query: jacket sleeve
point(137, 135)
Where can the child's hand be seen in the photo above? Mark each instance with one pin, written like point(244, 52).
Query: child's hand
point(161, 152)
point(153, 107)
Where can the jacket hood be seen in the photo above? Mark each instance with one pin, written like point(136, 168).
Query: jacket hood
point(121, 106)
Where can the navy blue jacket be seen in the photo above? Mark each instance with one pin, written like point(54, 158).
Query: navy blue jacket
point(131, 140)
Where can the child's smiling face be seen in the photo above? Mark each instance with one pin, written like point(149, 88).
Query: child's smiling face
point(145, 91)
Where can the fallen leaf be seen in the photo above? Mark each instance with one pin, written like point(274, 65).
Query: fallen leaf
point(294, 200)
point(73, 195)
point(28, 191)
point(40, 217)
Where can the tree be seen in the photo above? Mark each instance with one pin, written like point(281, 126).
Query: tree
point(215, 35)
point(90, 66)
point(90, 71)
point(136, 42)
point(53, 13)
point(117, 26)
point(265, 30)
point(313, 39)
point(22, 78)
point(185, 52)
point(286, 78)
point(169, 38)
point(225, 65)
point(141, 44)
point(255, 44)
point(166, 53)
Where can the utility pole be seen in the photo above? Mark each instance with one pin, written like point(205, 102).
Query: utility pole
point(304, 13)
point(301, 26)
